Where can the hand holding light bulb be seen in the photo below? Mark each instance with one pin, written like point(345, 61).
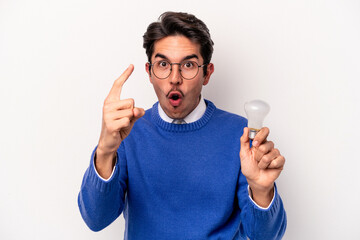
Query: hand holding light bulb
point(261, 163)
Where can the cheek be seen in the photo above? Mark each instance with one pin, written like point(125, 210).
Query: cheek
point(195, 87)
point(158, 88)
point(152, 80)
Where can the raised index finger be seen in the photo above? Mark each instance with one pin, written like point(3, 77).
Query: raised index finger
point(115, 91)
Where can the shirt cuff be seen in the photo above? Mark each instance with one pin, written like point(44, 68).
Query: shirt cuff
point(250, 196)
point(108, 179)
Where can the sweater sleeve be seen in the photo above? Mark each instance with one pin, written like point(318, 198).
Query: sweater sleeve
point(101, 202)
point(259, 223)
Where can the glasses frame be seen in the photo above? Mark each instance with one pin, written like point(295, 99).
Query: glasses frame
point(180, 63)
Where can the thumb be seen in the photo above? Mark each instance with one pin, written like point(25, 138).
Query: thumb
point(245, 140)
point(138, 113)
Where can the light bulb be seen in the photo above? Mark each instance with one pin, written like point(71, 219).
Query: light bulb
point(256, 112)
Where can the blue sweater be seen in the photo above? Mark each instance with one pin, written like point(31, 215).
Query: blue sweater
point(176, 181)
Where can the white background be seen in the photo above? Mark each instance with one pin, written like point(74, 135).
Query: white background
point(58, 60)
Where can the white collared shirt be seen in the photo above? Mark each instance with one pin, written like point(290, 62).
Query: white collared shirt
point(195, 115)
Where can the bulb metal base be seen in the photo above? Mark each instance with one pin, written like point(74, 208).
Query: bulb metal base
point(253, 132)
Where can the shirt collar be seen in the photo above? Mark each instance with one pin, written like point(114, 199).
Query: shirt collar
point(195, 115)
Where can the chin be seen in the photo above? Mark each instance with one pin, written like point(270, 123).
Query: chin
point(174, 113)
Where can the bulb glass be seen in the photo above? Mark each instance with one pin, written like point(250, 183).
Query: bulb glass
point(256, 112)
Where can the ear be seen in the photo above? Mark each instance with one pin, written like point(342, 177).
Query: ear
point(147, 68)
point(209, 70)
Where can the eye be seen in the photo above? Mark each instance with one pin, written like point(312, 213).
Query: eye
point(163, 64)
point(188, 65)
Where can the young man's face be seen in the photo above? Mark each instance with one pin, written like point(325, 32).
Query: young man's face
point(178, 96)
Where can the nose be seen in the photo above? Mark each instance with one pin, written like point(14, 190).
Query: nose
point(175, 76)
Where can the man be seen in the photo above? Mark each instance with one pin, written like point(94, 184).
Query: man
point(183, 169)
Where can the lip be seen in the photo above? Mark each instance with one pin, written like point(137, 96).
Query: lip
point(175, 102)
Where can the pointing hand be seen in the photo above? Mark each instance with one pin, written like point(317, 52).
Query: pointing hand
point(119, 116)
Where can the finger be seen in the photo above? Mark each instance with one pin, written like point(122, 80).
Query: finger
point(132, 114)
point(245, 140)
point(261, 136)
point(263, 149)
point(115, 91)
point(126, 104)
point(120, 114)
point(119, 105)
point(277, 163)
point(121, 123)
point(116, 125)
point(127, 121)
point(265, 161)
point(138, 113)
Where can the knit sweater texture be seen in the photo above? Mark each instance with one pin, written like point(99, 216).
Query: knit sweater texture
point(180, 181)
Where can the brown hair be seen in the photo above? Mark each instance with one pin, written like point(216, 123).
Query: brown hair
point(178, 23)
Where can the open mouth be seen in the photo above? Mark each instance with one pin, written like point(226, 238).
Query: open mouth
point(175, 98)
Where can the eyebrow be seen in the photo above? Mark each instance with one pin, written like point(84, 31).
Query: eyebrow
point(185, 58)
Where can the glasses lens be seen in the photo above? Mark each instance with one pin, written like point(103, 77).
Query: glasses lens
point(189, 69)
point(162, 69)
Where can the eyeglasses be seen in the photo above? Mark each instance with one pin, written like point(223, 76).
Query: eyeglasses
point(188, 69)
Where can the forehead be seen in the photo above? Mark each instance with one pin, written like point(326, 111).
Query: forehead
point(176, 48)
